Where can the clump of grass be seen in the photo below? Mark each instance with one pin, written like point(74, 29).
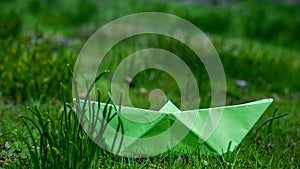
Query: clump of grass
point(63, 142)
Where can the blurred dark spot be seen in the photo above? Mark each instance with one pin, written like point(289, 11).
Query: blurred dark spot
point(291, 145)
point(270, 146)
point(129, 81)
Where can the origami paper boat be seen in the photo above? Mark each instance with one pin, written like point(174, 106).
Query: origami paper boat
point(149, 132)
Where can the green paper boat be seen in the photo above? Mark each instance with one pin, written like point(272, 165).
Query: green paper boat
point(147, 132)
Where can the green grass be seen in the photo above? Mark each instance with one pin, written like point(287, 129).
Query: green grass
point(256, 43)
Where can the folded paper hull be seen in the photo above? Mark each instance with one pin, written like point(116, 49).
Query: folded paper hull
point(149, 132)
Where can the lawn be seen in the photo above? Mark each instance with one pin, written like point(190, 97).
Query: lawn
point(258, 44)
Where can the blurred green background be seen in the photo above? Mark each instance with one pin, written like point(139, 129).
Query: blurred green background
point(257, 41)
